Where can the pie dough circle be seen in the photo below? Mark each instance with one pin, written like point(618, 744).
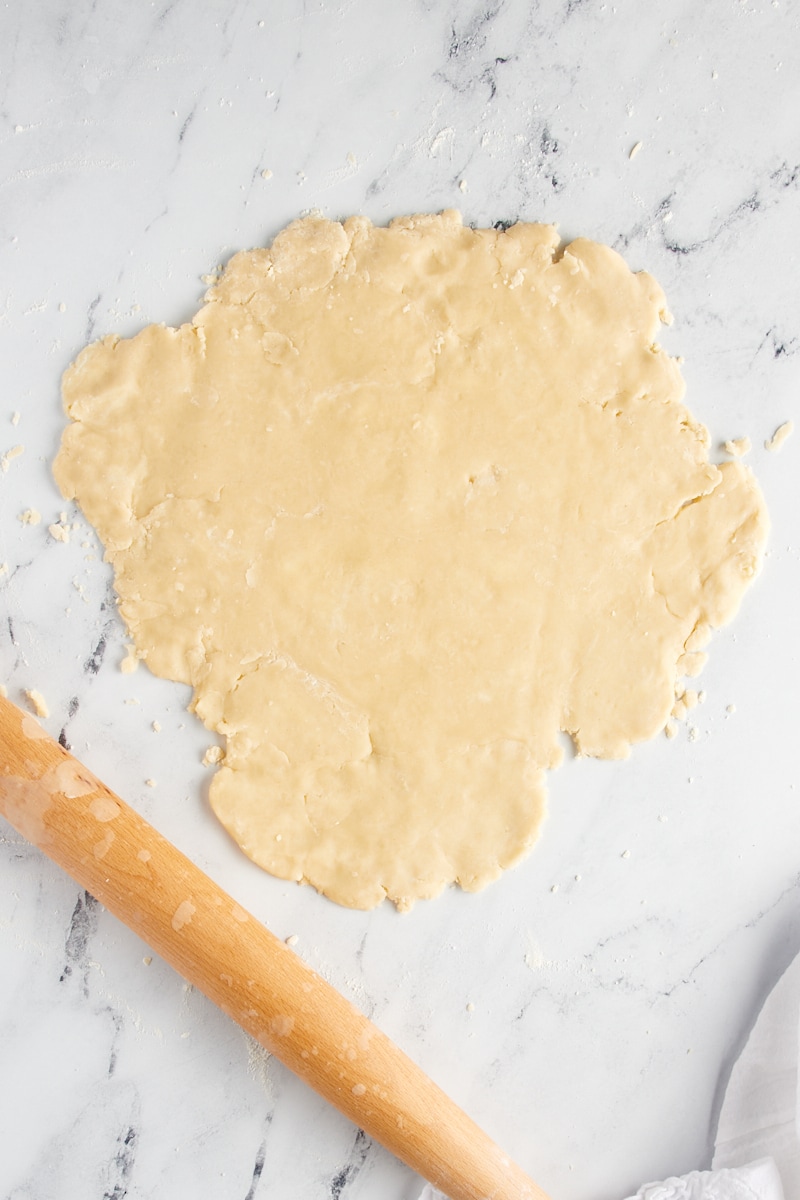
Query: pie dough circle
point(402, 504)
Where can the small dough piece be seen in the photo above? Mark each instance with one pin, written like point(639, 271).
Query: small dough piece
point(131, 660)
point(780, 435)
point(37, 702)
point(59, 531)
point(738, 447)
point(9, 457)
point(401, 504)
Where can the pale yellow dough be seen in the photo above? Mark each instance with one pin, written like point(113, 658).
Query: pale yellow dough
point(402, 504)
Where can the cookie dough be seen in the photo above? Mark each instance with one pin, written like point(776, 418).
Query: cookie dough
point(401, 504)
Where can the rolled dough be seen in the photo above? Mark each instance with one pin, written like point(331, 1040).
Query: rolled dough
point(401, 504)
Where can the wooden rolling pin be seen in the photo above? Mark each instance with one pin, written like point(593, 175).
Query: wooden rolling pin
point(57, 804)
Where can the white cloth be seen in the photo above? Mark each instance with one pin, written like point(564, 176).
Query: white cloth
point(757, 1152)
point(756, 1181)
point(761, 1112)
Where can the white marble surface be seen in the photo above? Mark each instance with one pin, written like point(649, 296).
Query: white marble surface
point(586, 1009)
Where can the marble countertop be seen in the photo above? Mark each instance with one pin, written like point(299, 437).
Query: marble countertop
point(587, 1009)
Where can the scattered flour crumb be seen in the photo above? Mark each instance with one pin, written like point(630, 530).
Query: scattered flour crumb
point(156, 727)
point(150, 782)
point(3, 568)
point(37, 702)
point(779, 436)
point(670, 729)
point(130, 662)
point(731, 708)
point(147, 960)
point(212, 756)
point(737, 446)
point(635, 150)
point(462, 185)
point(443, 136)
point(292, 939)
point(59, 532)
point(3, 691)
point(693, 733)
point(30, 516)
point(470, 1007)
point(554, 888)
point(15, 418)
point(266, 173)
point(625, 854)
point(258, 1064)
point(9, 457)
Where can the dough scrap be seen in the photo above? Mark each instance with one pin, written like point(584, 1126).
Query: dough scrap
point(780, 435)
point(737, 446)
point(401, 504)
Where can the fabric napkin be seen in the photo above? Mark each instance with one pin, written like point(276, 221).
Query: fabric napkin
point(755, 1181)
point(757, 1151)
point(761, 1112)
